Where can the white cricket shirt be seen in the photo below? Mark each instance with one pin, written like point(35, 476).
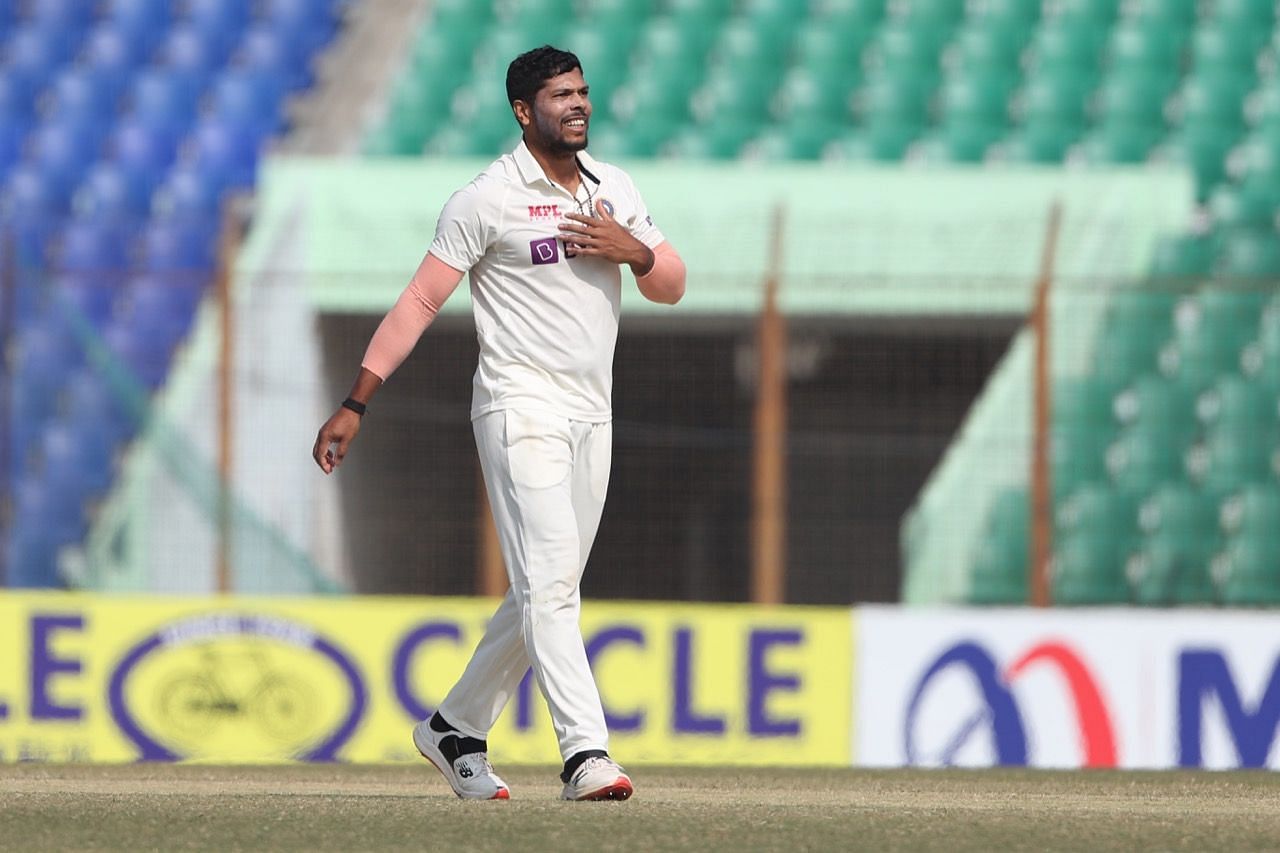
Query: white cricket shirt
point(547, 321)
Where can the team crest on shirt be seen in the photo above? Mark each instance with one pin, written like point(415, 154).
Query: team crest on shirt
point(544, 212)
point(606, 205)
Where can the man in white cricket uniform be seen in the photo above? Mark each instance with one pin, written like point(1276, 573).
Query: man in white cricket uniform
point(542, 233)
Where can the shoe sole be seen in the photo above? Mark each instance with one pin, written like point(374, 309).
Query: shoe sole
point(620, 789)
point(437, 760)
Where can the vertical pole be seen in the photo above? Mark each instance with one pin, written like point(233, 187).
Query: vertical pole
point(228, 248)
point(1041, 472)
point(491, 572)
point(769, 493)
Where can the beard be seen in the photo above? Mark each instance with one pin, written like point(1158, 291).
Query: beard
point(553, 136)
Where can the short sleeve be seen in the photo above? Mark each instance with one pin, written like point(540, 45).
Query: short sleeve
point(641, 225)
point(461, 232)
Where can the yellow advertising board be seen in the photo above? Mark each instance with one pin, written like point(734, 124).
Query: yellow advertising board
point(108, 679)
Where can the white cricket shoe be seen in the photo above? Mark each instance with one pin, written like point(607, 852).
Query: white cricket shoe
point(598, 778)
point(471, 776)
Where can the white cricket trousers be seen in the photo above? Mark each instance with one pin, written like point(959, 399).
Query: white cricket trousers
point(546, 477)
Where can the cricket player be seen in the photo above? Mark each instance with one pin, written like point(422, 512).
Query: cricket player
point(542, 233)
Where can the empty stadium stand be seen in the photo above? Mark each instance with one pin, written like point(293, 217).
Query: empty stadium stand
point(124, 124)
point(1160, 449)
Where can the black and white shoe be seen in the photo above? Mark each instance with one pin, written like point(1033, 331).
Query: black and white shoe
point(598, 778)
point(469, 773)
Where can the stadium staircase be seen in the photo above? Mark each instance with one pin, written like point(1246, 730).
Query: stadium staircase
point(1166, 452)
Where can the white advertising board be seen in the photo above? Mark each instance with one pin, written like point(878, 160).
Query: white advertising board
point(1067, 688)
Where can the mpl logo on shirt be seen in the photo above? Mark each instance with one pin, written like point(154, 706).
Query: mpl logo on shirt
point(544, 251)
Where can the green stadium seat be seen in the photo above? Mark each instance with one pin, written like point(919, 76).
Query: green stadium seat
point(1146, 456)
point(1060, 99)
point(1168, 573)
point(1098, 12)
point(820, 49)
point(1251, 254)
point(977, 98)
point(1179, 513)
point(457, 17)
point(1220, 46)
point(1236, 207)
point(1134, 44)
point(773, 19)
point(1204, 150)
point(660, 94)
point(898, 101)
point(794, 141)
point(982, 49)
point(810, 96)
point(721, 140)
point(1250, 571)
point(1214, 97)
point(1198, 356)
point(1156, 399)
point(1083, 402)
point(875, 143)
point(1134, 98)
point(1230, 460)
point(1062, 45)
point(1118, 142)
point(1238, 404)
point(709, 14)
point(1000, 566)
point(642, 139)
point(601, 48)
point(437, 53)
point(1250, 14)
point(1255, 511)
point(742, 47)
point(536, 17)
point(1089, 570)
point(732, 95)
point(1261, 361)
point(1036, 142)
point(1078, 457)
point(610, 14)
point(1127, 349)
point(1099, 511)
point(1017, 15)
point(999, 575)
point(1167, 13)
point(961, 141)
point(666, 42)
point(901, 50)
point(1230, 313)
point(1262, 107)
point(1182, 257)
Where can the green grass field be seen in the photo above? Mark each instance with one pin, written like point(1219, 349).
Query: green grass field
point(337, 807)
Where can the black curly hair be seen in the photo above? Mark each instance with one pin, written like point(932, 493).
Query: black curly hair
point(528, 71)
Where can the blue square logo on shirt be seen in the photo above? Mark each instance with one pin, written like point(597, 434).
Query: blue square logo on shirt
point(544, 251)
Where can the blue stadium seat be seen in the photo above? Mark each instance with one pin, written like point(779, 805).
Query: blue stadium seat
point(162, 97)
point(310, 21)
point(142, 355)
point(31, 559)
point(78, 94)
point(193, 53)
point(92, 245)
point(223, 20)
point(176, 245)
point(249, 98)
point(91, 296)
point(142, 148)
point(63, 151)
point(264, 50)
point(189, 194)
point(32, 55)
point(89, 400)
point(112, 52)
point(226, 149)
point(112, 192)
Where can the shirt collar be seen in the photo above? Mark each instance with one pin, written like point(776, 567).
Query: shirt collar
point(531, 172)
